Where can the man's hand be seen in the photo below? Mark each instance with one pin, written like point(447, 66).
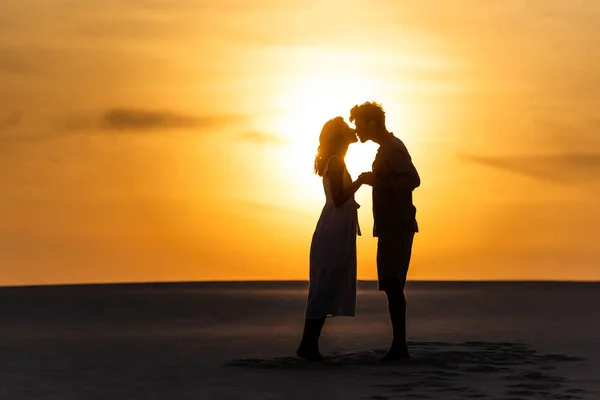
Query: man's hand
point(366, 178)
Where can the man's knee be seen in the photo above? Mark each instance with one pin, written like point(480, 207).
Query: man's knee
point(394, 290)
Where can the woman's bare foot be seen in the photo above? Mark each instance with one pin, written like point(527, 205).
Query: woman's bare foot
point(396, 354)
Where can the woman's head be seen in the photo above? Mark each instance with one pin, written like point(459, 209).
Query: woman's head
point(334, 140)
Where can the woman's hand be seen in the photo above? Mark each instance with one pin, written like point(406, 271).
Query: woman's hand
point(366, 178)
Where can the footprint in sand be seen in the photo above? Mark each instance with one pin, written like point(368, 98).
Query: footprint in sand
point(527, 393)
point(397, 387)
point(443, 369)
point(534, 376)
point(537, 386)
point(445, 365)
point(575, 391)
point(484, 369)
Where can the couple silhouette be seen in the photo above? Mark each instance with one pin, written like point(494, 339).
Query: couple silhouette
point(332, 283)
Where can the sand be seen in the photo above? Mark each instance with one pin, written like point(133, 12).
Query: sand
point(236, 341)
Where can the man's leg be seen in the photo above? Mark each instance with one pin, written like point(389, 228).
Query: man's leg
point(393, 259)
point(309, 345)
point(397, 311)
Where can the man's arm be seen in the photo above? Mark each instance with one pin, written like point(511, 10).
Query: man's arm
point(405, 181)
point(405, 174)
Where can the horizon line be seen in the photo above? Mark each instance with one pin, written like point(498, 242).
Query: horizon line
point(263, 281)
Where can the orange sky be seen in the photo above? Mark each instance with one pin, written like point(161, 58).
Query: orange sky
point(173, 140)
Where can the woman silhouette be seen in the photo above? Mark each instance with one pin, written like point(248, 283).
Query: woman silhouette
point(332, 286)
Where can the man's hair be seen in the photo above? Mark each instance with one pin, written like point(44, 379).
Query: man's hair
point(368, 111)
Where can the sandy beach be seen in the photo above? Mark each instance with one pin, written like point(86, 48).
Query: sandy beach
point(494, 340)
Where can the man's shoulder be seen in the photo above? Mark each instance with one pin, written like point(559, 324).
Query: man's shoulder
point(396, 143)
point(396, 147)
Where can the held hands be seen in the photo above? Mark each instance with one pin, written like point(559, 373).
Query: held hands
point(366, 178)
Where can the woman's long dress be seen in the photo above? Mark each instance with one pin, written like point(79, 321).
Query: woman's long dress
point(332, 285)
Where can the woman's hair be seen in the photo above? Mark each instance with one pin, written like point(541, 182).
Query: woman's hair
point(330, 140)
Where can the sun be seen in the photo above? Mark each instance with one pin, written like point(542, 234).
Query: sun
point(309, 102)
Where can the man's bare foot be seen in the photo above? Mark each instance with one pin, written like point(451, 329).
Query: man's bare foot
point(309, 355)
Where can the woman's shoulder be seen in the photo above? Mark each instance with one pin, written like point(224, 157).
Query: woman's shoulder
point(335, 161)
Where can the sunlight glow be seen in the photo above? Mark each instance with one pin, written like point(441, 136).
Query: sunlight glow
point(308, 103)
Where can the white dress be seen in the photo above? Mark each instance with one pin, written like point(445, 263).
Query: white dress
point(332, 285)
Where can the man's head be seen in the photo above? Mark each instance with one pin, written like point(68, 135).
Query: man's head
point(369, 119)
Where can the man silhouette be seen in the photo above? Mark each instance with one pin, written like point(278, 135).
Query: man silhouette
point(393, 178)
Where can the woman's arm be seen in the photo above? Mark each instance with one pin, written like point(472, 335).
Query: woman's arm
point(336, 181)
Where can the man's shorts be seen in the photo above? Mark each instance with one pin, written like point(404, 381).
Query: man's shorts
point(393, 257)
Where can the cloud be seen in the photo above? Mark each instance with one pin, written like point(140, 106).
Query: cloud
point(567, 168)
point(133, 119)
point(10, 120)
point(12, 61)
point(119, 120)
point(261, 138)
point(138, 119)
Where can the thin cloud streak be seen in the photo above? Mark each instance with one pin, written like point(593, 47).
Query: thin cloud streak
point(123, 120)
point(11, 61)
point(568, 168)
point(10, 120)
point(136, 119)
point(139, 119)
